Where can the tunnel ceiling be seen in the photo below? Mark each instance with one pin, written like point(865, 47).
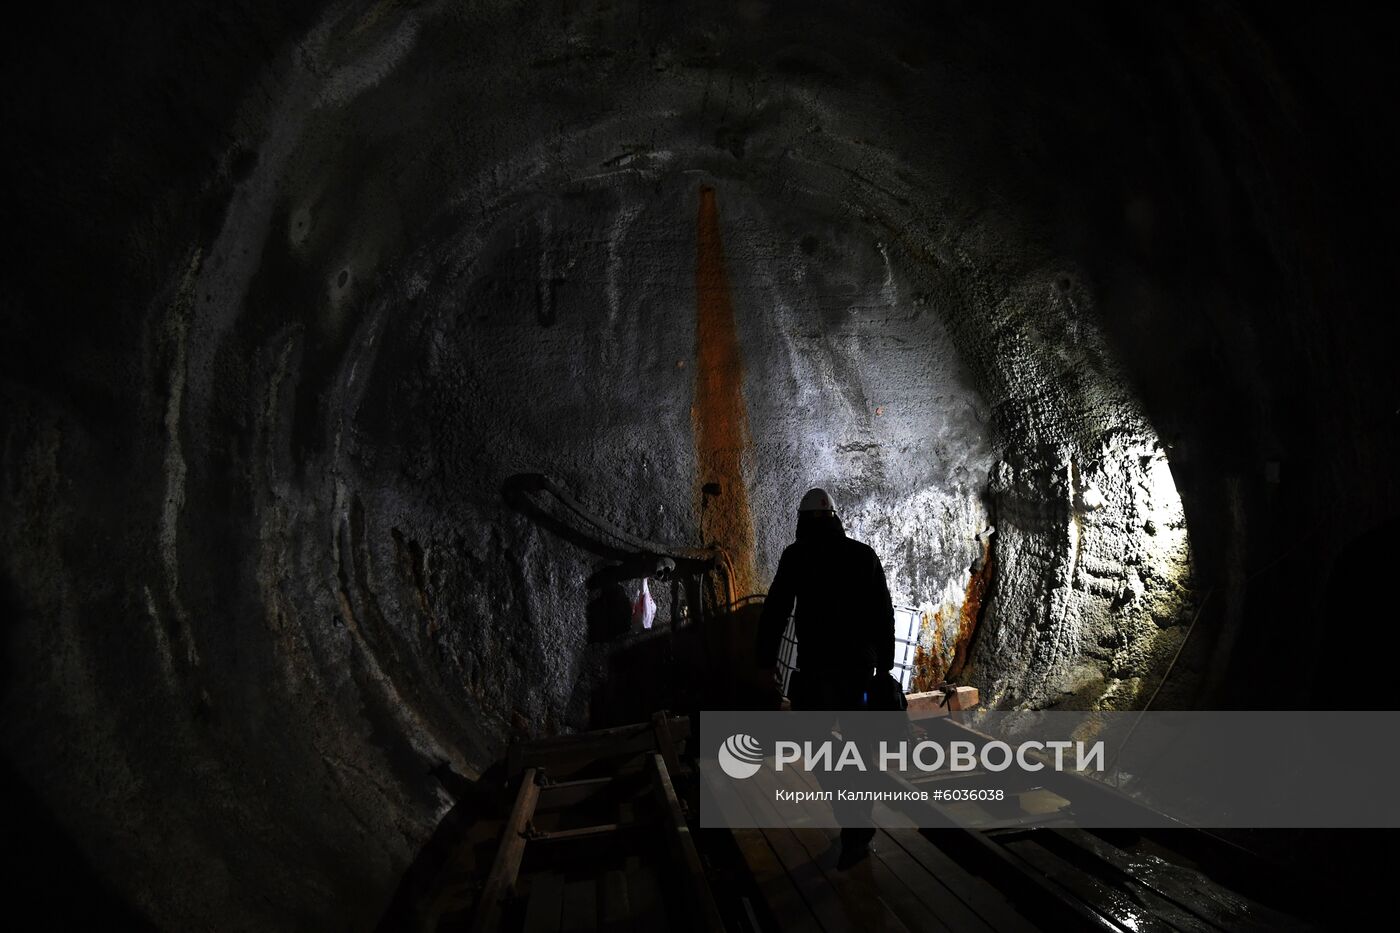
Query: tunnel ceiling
point(1003, 284)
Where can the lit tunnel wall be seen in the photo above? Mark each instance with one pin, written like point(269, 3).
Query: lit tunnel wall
point(316, 309)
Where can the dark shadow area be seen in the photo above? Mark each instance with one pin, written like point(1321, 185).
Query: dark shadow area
point(48, 880)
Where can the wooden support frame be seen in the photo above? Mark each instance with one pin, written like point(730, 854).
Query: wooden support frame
point(652, 745)
point(505, 868)
point(619, 741)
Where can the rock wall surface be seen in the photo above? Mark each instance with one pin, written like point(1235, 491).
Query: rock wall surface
point(306, 284)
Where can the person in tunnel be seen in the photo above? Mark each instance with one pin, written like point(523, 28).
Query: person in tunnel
point(844, 627)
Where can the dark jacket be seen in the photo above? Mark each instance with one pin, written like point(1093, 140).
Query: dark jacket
point(845, 621)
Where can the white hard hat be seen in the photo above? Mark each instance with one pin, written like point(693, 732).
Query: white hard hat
point(817, 500)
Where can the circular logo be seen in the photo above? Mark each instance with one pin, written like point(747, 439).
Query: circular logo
point(740, 756)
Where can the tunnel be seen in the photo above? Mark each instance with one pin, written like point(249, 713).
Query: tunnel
point(350, 345)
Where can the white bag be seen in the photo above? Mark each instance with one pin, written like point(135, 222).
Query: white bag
point(643, 607)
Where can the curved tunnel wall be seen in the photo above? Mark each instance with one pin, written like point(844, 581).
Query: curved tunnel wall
point(262, 574)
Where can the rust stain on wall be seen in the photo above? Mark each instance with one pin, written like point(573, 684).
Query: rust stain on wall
point(719, 415)
point(972, 608)
point(928, 663)
point(933, 666)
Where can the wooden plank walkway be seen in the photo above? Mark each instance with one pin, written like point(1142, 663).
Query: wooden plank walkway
point(906, 885)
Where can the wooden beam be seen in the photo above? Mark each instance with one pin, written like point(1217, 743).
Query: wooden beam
point(933, 701)
point(565, 794)
point(506, 867)
point(584, 747)
point(580, 832)
point(782, 898)
point(661, 731)
point(704, 913)
point(603, 737)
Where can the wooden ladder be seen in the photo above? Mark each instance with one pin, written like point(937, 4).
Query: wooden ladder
point(643, 754)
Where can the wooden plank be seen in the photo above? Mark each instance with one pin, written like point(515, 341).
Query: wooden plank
point(975, 893)
point(1185, 887)
point(1039, 801)
point(1029, 884)
point(932, 702)
point(644, 897)
point(580, 914)
point(615, 911)
point(862, 888)
point(802, 869)
point(564, 794)
point(807, 877)
point(904, 885)
point(504, 869)
point(1006, 827)
point(580, 832)
point(706, 914)
point(545, 906)
point(920, 900)
point(783, 900)
point(963, 698)
point(1125, 908)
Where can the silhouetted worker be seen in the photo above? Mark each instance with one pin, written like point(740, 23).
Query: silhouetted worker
point(844, 628)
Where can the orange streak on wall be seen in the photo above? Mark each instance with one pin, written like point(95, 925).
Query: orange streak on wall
point(928, 664)
point(972, 608)
point(719, 415)
point(934, 666)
